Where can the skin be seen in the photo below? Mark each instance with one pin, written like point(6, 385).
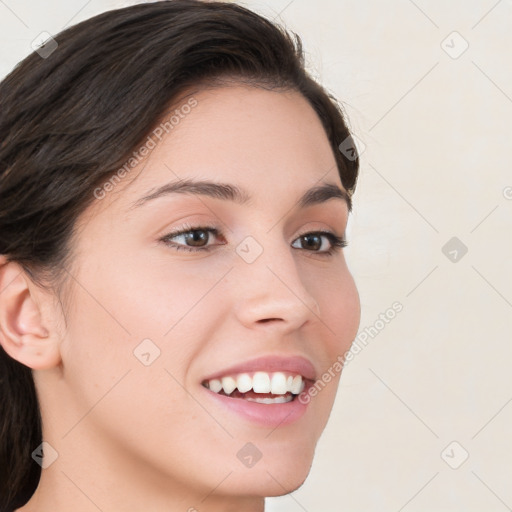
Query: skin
point(135, 437)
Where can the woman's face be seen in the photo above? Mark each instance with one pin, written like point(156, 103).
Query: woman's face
point(148, 324)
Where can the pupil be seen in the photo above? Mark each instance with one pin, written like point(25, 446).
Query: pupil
point(196, 236)
point(309, 237)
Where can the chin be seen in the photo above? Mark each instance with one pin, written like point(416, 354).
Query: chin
point(277, 474)
point(271, 484)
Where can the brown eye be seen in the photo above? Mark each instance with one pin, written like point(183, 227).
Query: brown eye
point(197, 237)
point(191, 238)
point(312, 241)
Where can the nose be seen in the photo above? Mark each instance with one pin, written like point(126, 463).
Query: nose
point(271, 290)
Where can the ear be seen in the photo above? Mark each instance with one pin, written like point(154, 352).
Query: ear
point(23, 335)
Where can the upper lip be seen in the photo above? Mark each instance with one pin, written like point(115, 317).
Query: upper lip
point(271, 363)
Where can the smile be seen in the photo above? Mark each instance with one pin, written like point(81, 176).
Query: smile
point(261, 387)
point(262, 391)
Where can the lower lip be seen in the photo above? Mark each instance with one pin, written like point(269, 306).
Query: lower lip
point(269, 415)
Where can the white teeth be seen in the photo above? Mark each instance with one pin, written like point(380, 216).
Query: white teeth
point(276, 400)
point(261, 382)
point(229, 385)
point(296, 384)
point(215, 385)
point(276, 383)
point(244, 382)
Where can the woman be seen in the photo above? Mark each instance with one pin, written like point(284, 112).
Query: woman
point(173, 206)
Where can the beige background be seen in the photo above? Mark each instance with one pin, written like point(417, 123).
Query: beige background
point(437, 165)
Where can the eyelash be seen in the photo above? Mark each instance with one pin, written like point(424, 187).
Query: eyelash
point(337, 243)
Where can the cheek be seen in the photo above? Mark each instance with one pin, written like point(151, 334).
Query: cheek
point(127, 311)
point(111, 388)
point(339, 304)
point(340, 309)
point(350, 308)
point(167, 297)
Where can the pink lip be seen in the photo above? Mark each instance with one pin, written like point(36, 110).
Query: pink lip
point(272, 363)
point(268, 415)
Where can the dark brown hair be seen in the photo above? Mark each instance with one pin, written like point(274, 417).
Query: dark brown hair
point(70, 119)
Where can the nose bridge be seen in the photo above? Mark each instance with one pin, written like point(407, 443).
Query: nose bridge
point(269, 285)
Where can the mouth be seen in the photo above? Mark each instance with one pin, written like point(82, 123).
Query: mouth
point(260, 387)
point(264, 391)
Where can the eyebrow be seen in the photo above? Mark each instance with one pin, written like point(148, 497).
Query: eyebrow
point(229, 192)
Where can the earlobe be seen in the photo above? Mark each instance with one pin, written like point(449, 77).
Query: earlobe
point(23, 335)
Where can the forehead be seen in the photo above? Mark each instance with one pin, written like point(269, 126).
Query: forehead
point(269, 143)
